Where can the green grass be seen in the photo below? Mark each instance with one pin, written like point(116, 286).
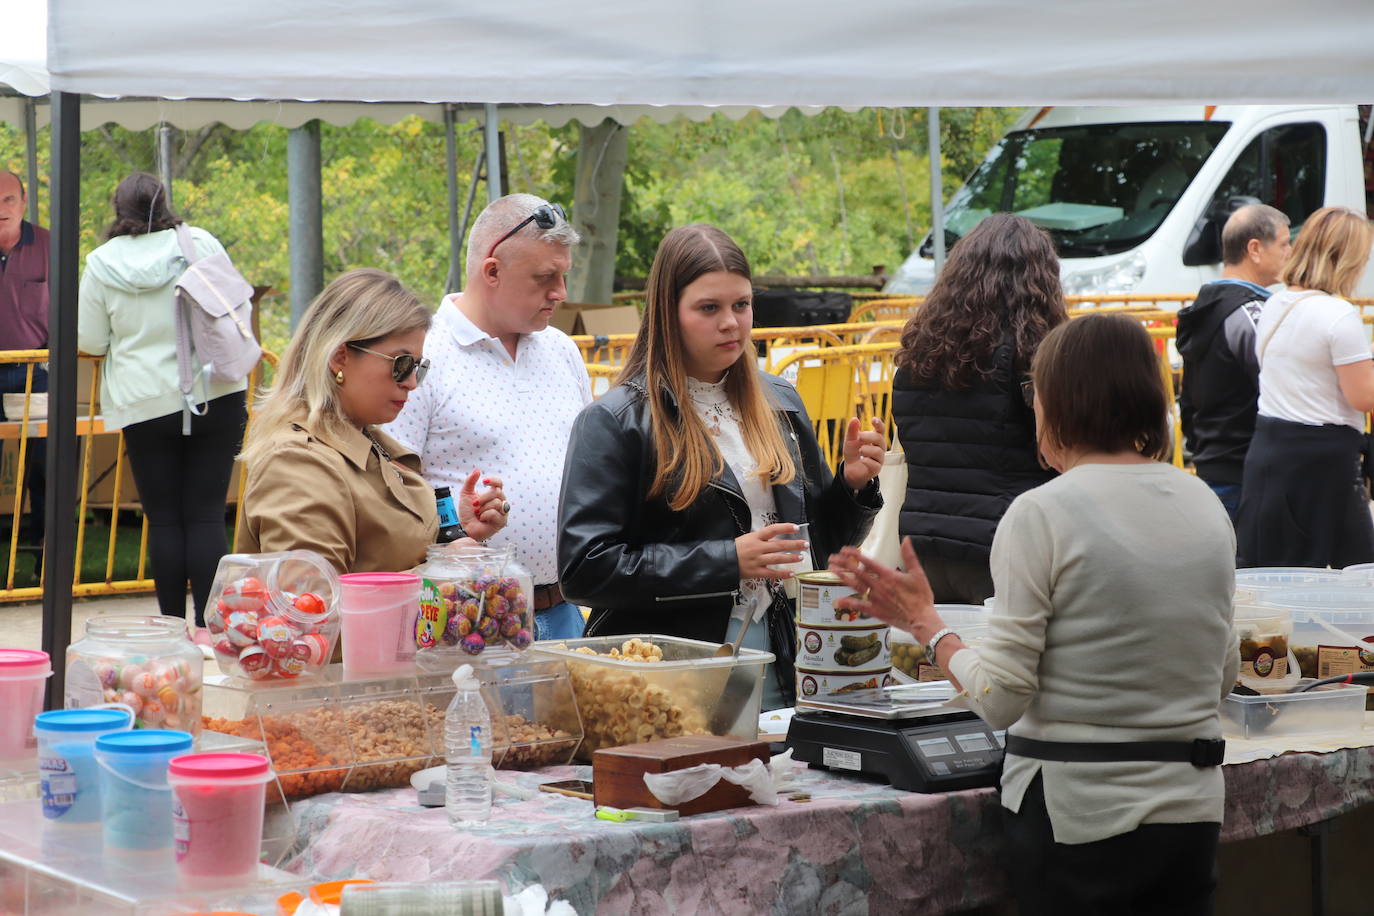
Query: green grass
point(93, 553)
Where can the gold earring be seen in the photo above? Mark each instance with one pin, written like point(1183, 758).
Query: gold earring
point(338, 377)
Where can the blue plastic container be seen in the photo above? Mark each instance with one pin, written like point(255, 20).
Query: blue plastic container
point(69, 776)
point(134, 794)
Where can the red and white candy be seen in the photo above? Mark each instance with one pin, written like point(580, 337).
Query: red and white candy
point(274, 635)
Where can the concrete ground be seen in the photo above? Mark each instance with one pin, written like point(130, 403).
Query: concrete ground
point(21, 625)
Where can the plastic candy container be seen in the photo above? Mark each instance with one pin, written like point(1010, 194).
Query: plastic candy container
point(70, 778)
point(273, 615)
point(22, 676)
point(134, 795)
point(147, 663)
point(217, 814)
point(473, 600)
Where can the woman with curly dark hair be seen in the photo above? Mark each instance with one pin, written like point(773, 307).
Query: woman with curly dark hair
point(958, 401)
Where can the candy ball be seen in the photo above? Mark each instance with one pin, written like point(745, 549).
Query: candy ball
point(152, 713)
point(312, 648)
point(243, 629)
point(255, 662)
point(289, 666)
point(172, 720)
point(522, 639)
point(127, 675)
point(166, 674)
point(144, 684)
point(132, 700)
point(472, 610)
point(274, 635)
point(226, 649)
point(169, 699)
point(106, 674)
point(310, 604)
point(489, 628)
point(214, 618)
point(245, 595)
point(510, 625)
point(519, 604)
point(473, 644)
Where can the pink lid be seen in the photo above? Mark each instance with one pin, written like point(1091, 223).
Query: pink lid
point(23, 661)
point(218, 766)
point(379, 578)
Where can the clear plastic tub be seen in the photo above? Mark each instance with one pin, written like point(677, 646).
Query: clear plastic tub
point(628, 699)
point(909, 662)
point(146, 663)
point(1330, 709)
point(1284, 577)
point(1266, 658)
point(23, 674)
point(1329, 623)
point(474, 601)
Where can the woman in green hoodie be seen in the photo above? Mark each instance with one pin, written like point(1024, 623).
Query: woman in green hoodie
point(127, 306)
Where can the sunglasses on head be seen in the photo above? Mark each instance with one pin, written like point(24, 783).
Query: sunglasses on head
point(401, 366)
point(545, 216)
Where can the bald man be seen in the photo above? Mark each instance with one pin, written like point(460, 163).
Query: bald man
point(1216, 338)
point(24, 326)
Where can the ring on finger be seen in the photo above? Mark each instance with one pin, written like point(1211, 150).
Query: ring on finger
point(505, 507)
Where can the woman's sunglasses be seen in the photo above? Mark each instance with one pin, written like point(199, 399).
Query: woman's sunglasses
point(401, 366)
point(545, 216)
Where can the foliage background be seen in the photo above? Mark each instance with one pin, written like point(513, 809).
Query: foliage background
point(838, 193)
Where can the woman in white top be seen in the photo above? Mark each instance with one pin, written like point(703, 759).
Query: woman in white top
point(684, 485)
point(1109, 647)
point(1306, 504)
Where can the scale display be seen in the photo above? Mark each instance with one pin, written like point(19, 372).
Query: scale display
point(908, 738)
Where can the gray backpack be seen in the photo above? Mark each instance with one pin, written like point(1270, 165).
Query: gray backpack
point(214, 307)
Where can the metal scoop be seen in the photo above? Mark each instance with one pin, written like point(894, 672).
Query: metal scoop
point(730, 650)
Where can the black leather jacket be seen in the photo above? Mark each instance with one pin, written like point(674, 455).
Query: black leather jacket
point(644, 568)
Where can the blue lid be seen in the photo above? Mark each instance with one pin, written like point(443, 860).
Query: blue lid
point(145, 741)
point(81, 720)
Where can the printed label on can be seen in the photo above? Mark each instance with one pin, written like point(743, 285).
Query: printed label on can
point(57, 782)
point(816, 597)
point(819, 683)
point(838, 649)
point(181, 828)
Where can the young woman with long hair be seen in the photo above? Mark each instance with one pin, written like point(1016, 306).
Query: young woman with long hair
point(1308, 506)
point(685, 483)
point(968, 433)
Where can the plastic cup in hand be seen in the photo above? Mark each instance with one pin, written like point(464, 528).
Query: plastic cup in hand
point(378, 612)
point(217, 813)
point(803, 533)
point(22, 673)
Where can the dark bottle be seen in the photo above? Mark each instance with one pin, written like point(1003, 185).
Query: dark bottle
point(449, 528)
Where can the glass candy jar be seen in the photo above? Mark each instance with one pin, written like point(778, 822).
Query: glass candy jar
point(146, 663)
point(474, 602)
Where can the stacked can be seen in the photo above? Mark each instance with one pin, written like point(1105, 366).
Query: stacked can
point(838, 651)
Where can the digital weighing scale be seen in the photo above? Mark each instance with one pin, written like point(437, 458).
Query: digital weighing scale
point(903, 734)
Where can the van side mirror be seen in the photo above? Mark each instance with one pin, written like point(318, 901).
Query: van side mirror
point(1204, 242)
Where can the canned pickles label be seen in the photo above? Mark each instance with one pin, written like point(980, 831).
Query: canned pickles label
point(817, 593)
point(820, 683)
point(838, 649)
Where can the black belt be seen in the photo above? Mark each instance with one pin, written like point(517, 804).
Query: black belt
point(546, 596)
point(1200, 752)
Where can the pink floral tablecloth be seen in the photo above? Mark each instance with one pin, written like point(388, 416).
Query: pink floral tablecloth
point(856, 847)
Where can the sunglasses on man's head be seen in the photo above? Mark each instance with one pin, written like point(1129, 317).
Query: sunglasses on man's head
point(401, 366)
point(545, 216)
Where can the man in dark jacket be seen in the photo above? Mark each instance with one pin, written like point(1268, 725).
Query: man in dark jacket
point(1216, 338)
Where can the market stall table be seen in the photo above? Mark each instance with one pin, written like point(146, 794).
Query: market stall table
point(856, 846)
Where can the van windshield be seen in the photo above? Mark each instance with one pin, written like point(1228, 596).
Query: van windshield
point(1099, 189)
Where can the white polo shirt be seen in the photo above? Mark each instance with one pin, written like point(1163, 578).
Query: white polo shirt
point(478, 408)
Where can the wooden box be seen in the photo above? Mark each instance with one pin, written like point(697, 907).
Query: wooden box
point(618, 772)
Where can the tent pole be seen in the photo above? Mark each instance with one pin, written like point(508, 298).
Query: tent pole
point(31, 156)
point(59, 507)
point(493, 143)
point(455, 238)
point(164, 157)
point(305, 225)
point(937, 193)
point(467, 210)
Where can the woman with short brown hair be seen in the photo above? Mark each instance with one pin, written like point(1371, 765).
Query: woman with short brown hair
point(1302, 496)
point(1109, 645)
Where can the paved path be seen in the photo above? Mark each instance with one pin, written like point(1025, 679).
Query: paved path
point(21, 625)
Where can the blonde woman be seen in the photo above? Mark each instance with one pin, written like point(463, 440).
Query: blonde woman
point(684, 484)
point(1302, 499)
point(320, 475)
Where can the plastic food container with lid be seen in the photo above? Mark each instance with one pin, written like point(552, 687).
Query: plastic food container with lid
point(69, 774)
point(1263, 578)
point(23, 674)
point(147, 663)
point(135, 799)
point(1266, 659)
point(218, 803)
point(909, 661)
point(1335, 708)
point(273, 616)
point(474, 601)
point(1330, 625)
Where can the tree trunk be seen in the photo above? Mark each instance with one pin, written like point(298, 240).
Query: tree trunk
point(601, 155)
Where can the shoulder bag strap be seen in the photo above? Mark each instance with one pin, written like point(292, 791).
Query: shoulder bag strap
point(181, 320)
point(1264, 345)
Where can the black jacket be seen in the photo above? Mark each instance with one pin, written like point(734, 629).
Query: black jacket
point(644, 568)
point(969, 454)
point(1220, 391)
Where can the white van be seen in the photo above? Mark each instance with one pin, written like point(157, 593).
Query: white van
point(1135, 197)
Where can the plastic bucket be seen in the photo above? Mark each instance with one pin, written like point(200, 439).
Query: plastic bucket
point(377, 610)
point(134, 794)
point(22, 673)
point(217, 812)
point(69, 775)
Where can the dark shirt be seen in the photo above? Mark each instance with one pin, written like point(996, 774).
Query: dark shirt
point(24, 291)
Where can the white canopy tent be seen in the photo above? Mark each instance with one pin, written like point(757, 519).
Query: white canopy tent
point(640, 53)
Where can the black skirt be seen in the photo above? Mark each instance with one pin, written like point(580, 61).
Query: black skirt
point(1302, 499)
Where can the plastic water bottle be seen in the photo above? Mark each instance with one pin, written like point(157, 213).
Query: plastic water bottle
point(467, 747)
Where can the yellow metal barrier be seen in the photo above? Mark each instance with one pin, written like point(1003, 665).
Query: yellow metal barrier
point(93, 476)
point(836, 383)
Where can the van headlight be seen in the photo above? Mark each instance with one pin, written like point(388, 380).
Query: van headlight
point(1120, 277)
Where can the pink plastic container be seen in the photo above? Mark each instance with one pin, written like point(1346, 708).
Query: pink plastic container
point(378, 611)
point(22, 673)
point(217, 813)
